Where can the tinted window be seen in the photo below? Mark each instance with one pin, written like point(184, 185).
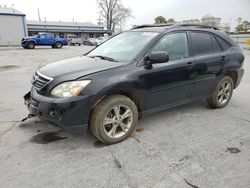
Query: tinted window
point(225, 45)
point(216, 45)
point(175, 44)
point(201, 43)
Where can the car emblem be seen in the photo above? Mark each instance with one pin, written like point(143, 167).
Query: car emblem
point(34, 78)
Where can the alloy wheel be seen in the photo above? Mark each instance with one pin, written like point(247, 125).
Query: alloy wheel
point(118, 121)
point(225, 92)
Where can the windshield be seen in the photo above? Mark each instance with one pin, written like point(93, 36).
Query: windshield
point(123, 47)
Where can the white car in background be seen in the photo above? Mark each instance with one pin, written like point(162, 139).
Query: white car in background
point(74, 40)
point(100, 40)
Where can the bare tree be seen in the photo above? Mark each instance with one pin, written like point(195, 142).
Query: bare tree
point(113, 12)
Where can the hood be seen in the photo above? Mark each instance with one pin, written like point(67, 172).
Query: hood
point(28, 38)
point(77, 67)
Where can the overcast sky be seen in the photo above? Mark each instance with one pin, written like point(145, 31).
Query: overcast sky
point(144, 11)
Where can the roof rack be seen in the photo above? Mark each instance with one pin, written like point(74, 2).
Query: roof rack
point(152, 25)
point(176, 25)
point(197, 26)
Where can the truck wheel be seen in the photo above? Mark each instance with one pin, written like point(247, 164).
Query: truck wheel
point(222, 93)
point(113, 119)
point(31, 45)
point(58, 45)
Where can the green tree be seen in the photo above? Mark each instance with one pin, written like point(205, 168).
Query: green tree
point(160, 20)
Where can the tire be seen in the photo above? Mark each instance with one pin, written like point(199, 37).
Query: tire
point(222, 93)
point(31, 45)
point(58, 45)
point(107, 122)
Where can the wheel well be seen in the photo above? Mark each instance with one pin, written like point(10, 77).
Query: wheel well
point(233, 75)
point(133, 95)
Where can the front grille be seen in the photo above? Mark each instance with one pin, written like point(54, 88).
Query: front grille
point(34, 102)
point(39, 81)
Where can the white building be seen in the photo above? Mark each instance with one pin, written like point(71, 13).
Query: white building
point(211, 21)
point(192, 21)
point(12, 26)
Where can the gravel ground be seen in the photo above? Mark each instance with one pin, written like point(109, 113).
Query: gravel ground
point(188, 146)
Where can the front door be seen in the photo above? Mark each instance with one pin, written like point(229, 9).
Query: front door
point(171, 82)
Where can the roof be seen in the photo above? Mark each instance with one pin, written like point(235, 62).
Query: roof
point(10, 11)
point(165, 27)
point(59, 23)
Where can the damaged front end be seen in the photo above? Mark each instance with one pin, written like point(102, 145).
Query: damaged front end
point(70, 113)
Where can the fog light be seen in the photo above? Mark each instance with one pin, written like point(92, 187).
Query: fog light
point(52, 112)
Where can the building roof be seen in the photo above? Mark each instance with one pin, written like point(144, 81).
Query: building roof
point(59, 26)
point(60, 23)
point(10, 11)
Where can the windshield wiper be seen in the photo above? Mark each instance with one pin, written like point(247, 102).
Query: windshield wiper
point(104, 58)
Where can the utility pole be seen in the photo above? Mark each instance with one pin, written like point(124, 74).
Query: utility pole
point(99, 20)
point(38, 12)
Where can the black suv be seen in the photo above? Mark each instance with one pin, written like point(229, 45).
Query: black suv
point(138, 72)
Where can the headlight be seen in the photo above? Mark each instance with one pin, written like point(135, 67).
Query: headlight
point(69, 89)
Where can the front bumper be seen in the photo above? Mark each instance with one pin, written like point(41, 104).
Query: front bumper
point(70, 113)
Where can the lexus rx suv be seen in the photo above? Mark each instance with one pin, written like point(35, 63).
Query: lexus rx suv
point(138, 72)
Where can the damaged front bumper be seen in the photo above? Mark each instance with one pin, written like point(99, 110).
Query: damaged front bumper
point(71, 113)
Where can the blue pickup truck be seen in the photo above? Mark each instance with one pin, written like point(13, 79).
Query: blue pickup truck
point(43, 39)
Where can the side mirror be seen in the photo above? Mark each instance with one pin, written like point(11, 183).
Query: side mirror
point(158, 57)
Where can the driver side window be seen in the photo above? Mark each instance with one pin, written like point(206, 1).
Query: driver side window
point(175, 44)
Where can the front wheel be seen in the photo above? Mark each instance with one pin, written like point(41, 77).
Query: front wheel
point(222, 93)
point(113, 119)
point(31, 45)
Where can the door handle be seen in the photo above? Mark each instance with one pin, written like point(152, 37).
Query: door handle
point(223, 58)
point(190, 65)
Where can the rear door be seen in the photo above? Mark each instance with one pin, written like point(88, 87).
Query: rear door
point(49, 39)
point(209, 60)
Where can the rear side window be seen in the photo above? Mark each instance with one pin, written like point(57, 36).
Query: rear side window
point(201, 43)
point(216, 45)
point(225, 45)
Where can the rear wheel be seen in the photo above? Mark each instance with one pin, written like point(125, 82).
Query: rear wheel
point(222, 93)
point(113, 119)
point(58, 45)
